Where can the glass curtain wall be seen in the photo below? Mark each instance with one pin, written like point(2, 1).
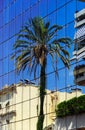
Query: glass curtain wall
point(13, 15)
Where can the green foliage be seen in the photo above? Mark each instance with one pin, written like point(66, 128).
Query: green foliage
point(40, 122)
point(73, 106)
point(35, 42)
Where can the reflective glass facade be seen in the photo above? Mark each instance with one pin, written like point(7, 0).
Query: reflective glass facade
point(13, 15)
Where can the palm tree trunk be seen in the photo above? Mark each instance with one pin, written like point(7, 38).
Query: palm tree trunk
point(42, 96)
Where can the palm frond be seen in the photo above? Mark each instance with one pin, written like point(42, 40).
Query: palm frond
point(66, 41)
point(36, 40)
point(23, 63)
point(63, 58)
point(47, 25)
point(21, 43)
point(23, 55)
point(55, 27)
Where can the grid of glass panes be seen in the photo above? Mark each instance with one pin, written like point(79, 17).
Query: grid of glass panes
point(13, 15)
